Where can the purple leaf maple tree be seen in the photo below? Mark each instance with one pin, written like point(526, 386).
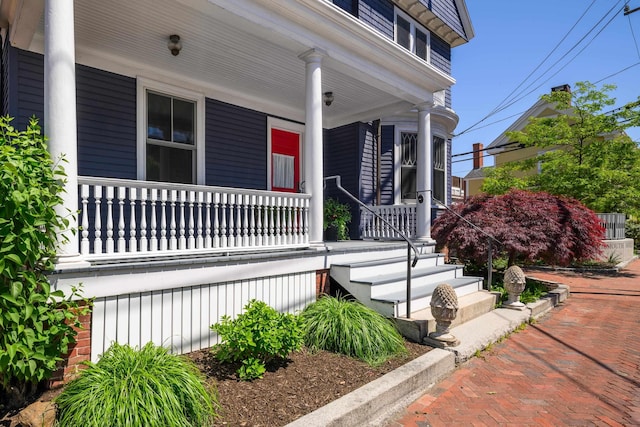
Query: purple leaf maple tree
point(528, 226)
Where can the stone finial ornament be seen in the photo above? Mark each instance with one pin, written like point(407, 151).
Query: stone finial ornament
point(444, 308)
point(514, 283)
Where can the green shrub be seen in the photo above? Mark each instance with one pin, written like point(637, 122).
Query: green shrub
point(350, 328)
point(632, 231)
point(34, 330)
point(257, 336)
point(532, 292)
point(337, 215)
point(147, 387)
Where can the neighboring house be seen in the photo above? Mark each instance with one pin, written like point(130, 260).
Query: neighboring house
point(198, 134)
point(505, 150)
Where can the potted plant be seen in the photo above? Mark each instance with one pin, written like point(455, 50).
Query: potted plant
point(336, 217)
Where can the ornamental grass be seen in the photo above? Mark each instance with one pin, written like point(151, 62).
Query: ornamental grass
point(344, 326)
point(129, 387)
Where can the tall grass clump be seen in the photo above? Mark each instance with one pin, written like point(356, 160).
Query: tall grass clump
point(129, 387)
point(350, 328)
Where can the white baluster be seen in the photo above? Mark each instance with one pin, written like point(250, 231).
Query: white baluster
point(296, 220)
point(173, 240)
point(252, 220)
point(97, 233)
point(207, 226)
point(272, 230)
point(144, 244)
point(279, 226)
point(122, 244)
point(289, 216)
point(183, 238)
point(239, 200)
point(245, 220)
point(224, 241)
point(199, 225)
point(306, 220)
point(133, 243)
point(84, 243)
point(231, 241)
point(216, 220)
point(259, 229)
point(191, 243)
point(164, 243)
point(110, 242)
point(153, 243)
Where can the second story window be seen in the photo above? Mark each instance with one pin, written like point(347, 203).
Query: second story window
point(411, 35)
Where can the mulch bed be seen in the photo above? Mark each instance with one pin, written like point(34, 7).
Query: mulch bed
point(289, 390)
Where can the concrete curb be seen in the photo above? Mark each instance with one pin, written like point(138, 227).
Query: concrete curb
point(375, 400)
point(379, 400)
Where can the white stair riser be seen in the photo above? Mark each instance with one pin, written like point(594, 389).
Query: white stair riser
point(422, 303)
point(380, 290)
point(357, 273)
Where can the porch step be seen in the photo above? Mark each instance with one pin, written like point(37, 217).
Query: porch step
point(382, 284)
point(470, 306)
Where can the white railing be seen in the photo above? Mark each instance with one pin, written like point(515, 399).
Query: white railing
point(121, 218)
point(614, 225)
point(403, 217)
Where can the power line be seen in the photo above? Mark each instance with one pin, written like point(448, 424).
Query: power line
point(502, 107)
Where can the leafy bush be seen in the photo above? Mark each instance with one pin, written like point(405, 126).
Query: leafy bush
point(337, 215)
point(257, 336)
point(350, 328)
point(632, 231)
point(530, 226)
point(146, 387)
point(34, 330)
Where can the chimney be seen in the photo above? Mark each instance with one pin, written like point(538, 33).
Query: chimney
point(477, 155)
point(563, 88)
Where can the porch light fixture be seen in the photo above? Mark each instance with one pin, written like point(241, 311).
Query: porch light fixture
point(328, 98)
point(174, 45)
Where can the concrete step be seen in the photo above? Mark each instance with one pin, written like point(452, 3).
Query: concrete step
point(470, 306)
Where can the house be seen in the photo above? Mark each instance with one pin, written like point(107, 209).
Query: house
point(199, 133)
point(505, 150)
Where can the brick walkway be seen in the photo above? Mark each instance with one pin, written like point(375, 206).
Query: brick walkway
point(578, 366)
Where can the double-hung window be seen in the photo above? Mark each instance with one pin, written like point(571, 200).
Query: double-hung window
point(408, 154)
point(439, 169)
point(171, 148)
point(411, 35)
point(170, 134)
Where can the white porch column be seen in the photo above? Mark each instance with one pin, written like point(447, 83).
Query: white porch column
point(424, 173)
point(60, 114)
point(313, 164)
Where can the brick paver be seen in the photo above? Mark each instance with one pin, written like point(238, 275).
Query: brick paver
point(578, 366)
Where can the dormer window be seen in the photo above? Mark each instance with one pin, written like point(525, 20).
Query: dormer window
point(411, 35)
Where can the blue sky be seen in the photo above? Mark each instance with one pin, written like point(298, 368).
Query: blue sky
point(512, 38)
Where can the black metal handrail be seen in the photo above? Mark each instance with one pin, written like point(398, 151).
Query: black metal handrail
point(490, 240)
point(410, 245)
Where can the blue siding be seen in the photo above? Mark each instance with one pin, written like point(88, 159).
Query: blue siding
point(386, 165)
point(368, 166)
point(106, 124)
point(448, 12)
point(350, 6)
point(236, 146)
point(341, 157)
point(26, 87)
point(378, 14)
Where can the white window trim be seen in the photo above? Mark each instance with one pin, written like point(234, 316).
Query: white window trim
point(143, 85)
point(412, 36)
point(397, 166)
point(273, 123)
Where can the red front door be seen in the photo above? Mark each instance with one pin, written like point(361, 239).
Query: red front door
point(285, 160)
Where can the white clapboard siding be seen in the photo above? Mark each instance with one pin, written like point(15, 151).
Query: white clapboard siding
point(180, 319)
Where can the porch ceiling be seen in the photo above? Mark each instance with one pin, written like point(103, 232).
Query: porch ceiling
point(252, 60)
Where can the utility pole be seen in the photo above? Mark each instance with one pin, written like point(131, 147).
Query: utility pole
point(629, 11)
